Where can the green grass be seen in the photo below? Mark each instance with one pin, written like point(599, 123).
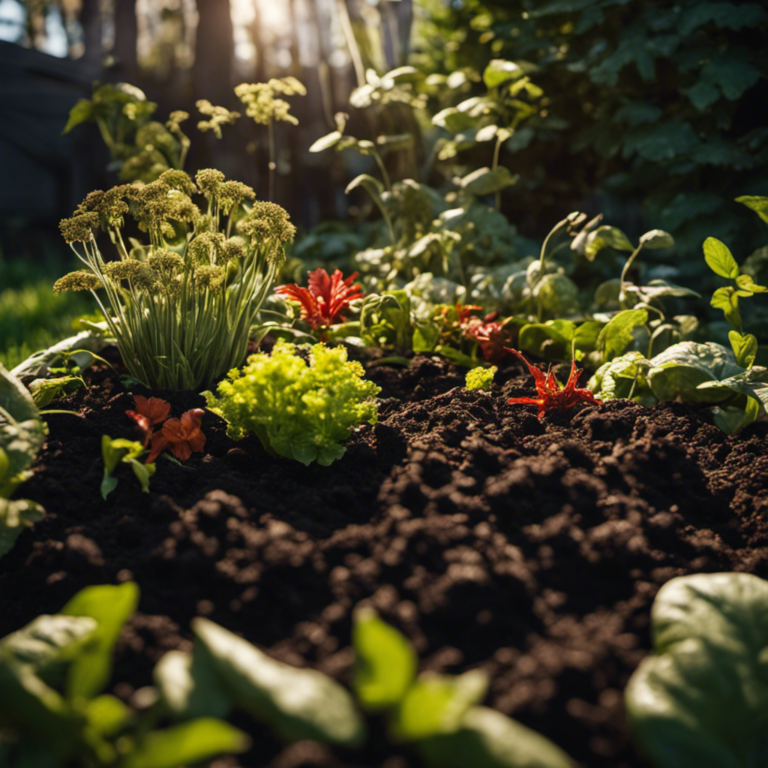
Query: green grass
point(32, 316)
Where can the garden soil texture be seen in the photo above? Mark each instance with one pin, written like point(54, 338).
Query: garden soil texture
point(529, 549)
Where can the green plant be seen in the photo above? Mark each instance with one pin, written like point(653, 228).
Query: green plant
point(52, 710)
point(180, 307)
point(299, 410)
point(480, 378)
point(701, 699)
point(439, 715)
point(121, 451)
point(22, 433)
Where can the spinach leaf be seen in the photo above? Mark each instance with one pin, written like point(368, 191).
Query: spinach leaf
point(702, 700)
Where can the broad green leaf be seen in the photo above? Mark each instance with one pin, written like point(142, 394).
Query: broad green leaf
point(661, 142)
point(732, 419)
point(753, 383)
point(326, 142)
point(657, 238)
point(500, 71)
point(82, 112)
point(107, 714)
point(702, 700)
point(720, 259)
point(15, 517)
point(487, 133)
point(142, 472)
point(385, 662)
point(557, 294)
point(456, 356)
point(22, 431)
point(437, 704)
point(615, 336)
point(395, 141)
point(190, 685)
point(746, 283)
point(406, 74)
point(744, 348)
point(45, 390)
point(758, 204)
point(111, 606)
point(621, 376)
point(655, 289)
point(679, 371)
point(37, 365)
point(367, 181)
point(586, 335)
point(297, 703)
point(453, 120)
point(26, 701)
point(606, 237)
point(488, 739)
point(47, 640)
point(551, 340)
point(485, 181)
point(727, 299)
point(187, 744)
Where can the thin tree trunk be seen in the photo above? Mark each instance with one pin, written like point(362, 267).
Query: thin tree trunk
point(126, 36)
point(214, 52)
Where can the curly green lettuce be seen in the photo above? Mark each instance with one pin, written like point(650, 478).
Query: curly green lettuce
point(299, 410)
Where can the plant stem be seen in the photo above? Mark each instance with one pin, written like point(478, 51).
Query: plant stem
point(625, 270)
point(494, 166)
point(272, 164)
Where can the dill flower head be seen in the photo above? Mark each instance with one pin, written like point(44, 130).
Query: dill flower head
point(231, 193)
point(267, 221)
point(146, 166)
point(180, 208)
point(209, 277)
point(80, 228)
point(261, 103)
point(179, 180)
point(218, 116)
point(113, 206)
point(92, 202)
point(208, 180)
point(82, 280)
point(234, 248)
point(130, 269)
point(175, 119)
point(165, 262)
point(155, 135)
point(206, 247)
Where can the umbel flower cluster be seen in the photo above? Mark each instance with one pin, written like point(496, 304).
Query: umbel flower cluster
point(180, 306)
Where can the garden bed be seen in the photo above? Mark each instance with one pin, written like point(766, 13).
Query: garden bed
point(531, 550)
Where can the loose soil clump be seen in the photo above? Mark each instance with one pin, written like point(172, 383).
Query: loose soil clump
point(531, 550)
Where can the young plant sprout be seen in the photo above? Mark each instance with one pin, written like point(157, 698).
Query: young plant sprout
point(550, 395)
point(181, 306)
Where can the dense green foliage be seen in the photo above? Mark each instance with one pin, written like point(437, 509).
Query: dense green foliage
point(651, 109)
point(299, 410)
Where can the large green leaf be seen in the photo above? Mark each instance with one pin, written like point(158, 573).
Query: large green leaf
point(47, 640)
point(679, 370)
point(190, 685)
point(326, 142)
point(720, 259)
point(702, 700)
point(297, 703)
point(111, 606)
point(22, 431)
point(753, 383)
point(500, 71)
point(758, 204)
point(437, 704)
point(15, 517)
point(615, 336)
point(187, 744)
point(488, 739)
point(385, 662)
point(485, 181)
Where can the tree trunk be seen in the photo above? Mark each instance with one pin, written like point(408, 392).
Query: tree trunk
point(214, 53)
point(126, 36)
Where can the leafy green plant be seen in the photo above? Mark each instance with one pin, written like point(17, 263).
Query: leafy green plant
point(702, 698)
point(22, 433)
point(52, 710)
point(439, 715)
point(480, 378)
point(181, 306)
point(299, 410)
point(721, 262)
point(120, 451)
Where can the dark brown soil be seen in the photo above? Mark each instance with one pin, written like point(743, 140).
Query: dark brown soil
point(532, 550)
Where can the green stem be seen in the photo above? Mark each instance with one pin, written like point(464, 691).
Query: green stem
point(272, 164)
point(494, 166)
point(384, 175)
point(624, 273)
